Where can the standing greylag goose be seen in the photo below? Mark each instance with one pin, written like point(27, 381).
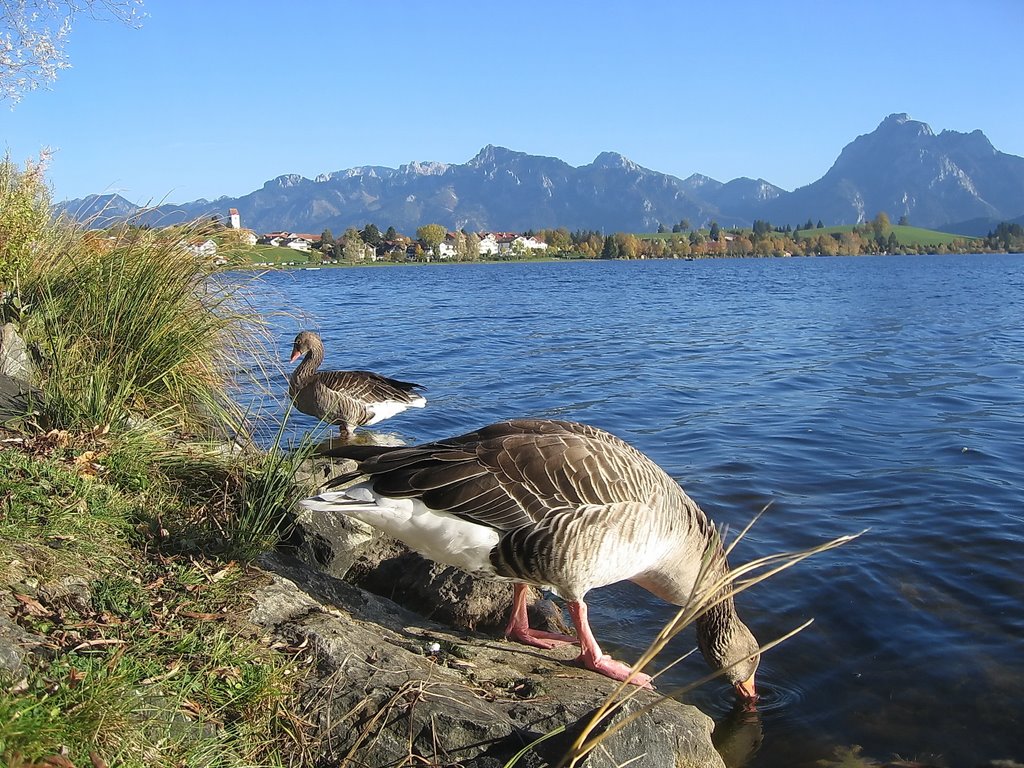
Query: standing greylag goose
point(562, 506)
point(348, 399)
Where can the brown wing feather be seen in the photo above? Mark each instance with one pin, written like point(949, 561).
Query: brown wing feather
point(517, 473)
point(368, 387)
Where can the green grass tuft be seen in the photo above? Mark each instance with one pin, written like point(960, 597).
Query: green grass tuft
point(148, 657)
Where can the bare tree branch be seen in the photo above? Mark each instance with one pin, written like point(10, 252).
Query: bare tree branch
point(33, 34)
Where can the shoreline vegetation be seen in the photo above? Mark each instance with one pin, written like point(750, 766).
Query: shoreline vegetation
point(132, 504)
point(433, 243)
point(139, 522)
point(878, 237)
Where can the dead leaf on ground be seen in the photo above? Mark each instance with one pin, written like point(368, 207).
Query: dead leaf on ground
point(32, 606)
point(86, 464)
point(224, 571)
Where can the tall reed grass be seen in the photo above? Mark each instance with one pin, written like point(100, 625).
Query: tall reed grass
point(141, 340)
point(131, 326)
point(138, 328)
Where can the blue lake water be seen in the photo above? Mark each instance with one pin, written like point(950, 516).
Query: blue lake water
point(872, 392)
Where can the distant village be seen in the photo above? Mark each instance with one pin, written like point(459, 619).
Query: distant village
point(398, 248)
point(434, 242)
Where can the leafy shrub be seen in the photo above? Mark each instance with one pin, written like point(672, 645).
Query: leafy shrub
point(24, 214)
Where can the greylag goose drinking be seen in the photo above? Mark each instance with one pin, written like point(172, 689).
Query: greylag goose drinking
point(348, 399)
point(563, 506)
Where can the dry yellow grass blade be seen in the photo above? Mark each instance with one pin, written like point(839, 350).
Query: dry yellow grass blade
point(706, 594)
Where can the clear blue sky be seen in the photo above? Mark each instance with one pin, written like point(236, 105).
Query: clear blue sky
point(215, 98)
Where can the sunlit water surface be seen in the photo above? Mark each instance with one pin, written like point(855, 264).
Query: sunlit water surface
point(851, 393)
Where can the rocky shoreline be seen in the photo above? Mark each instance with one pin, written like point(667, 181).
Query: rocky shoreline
point(390, 687)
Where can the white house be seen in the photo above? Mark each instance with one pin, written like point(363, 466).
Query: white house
point(234, 220)
point(488, 244)
point(496, 243)
point(522, 244)
point(449, 249)
point(502, 243)
point(202, 248)
point(298, 244)
point(297, 241)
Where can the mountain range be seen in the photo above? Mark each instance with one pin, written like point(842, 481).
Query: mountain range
point(951, 181)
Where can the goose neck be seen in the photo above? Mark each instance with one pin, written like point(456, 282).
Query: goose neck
point(717, 631)
point(306, 369)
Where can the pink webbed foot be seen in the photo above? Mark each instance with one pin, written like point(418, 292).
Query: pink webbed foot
point(518, 628)
point(592, 657)
point(538, 638)
point(616, 670)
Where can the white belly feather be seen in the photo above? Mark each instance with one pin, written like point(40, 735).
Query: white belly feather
point(437, 535)
point(388, 408)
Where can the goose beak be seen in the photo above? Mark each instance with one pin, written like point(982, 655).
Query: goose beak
point(746, 691)
point(296, 354)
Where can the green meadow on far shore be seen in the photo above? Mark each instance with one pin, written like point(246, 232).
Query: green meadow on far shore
point(280, 256)
point(905, 235)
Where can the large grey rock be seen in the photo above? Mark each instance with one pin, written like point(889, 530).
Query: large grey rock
point(19, 400)
point(14, 357)
point(15, 642)
point(388, 687)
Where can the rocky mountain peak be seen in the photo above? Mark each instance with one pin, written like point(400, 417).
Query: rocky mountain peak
point(417, 168)
point(698, 180)
point(286, 181)
point(614, 160)
point(975, 141)
point(897, 118)
point(492, 155)
point(367, 171)
point(901, 121)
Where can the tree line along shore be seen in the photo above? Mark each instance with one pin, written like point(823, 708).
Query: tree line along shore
point(434, 243)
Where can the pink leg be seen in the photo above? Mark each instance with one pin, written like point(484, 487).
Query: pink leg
point(518, 627)
point(591, 655)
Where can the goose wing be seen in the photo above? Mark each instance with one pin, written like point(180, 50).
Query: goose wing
point(516, 473)
point(369, 387)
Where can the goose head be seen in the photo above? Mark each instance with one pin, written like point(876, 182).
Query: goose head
point(304, 343)
point(732, 648)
